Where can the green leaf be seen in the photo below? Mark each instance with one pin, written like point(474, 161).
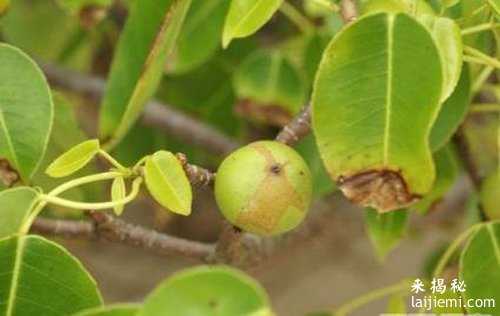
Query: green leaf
point(449, 3)
point(396, 305)
point(446, 174)
point(118, 192)
point(385, 230)
point(15, 206)
point(396, 6)
point(39, 277)
point(74, 159)
point(208, 291)
point(452, 113)
point(200, 36)
point(489, 195)
point(246, 17)
point(366, 95)
point(480, 267)
point(268, 81)
point(26, 111)
point(111, 310)
point(448, 38)
point(167, 182)
point(148, 37)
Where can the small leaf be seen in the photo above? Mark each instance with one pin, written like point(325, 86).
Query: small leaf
point(490, 194)
point(200, 36)
point(74, 159)
point(452, 113)
point(449, 42)
point(39, 277)
point(118, 192)
point(26, 111)
point(167, 182)
point(15, 206)
point(247, 17)
point(385, 230)
point(480, 268)
point(148, 37)
point(204, 290)
point(446, 174)
point(366, 95)
point(111, 310)
point(271, 84)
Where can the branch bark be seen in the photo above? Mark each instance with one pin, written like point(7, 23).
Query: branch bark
point(156, 114)
point(107, 227)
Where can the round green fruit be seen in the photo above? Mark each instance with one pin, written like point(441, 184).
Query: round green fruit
point(264, 188)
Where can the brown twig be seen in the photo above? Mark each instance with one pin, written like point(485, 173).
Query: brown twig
point(197, 176)
point(156, 114)
point(297, 129)
point(348, 11)
point(107, 227)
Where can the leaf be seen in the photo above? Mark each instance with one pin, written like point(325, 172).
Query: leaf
point(39, 277)
point(271, 83)
point(15, 206)
point(480, 268)
point(489, 194)
point(396, 305)
point(74, 159)
point(118, 192)
point(446, 175)
point(208, 291)
point(246, 17)
point(167, 182)
point(111, 310)
point(200, 36)
point(365, 97)
point(385, 230)
point(448, 38)
point(148, 37)
point(26, 111)
point(452, 113)
point(396, 6)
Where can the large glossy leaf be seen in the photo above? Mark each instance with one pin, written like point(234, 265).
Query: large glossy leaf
point(26, 111)
point(39, 277)
point(15, 206)
point(111, 310)
point(446, 174)
point(449, 41)
point(490, 195)
point(246, 17)
point(207, 291)
point(148, 37)
point(167, 182)
point(480, 267)
point(200, 36)
point(269, 82)
point(385, 230)
point(373, 110)
point(452, 113)
point(74, 159)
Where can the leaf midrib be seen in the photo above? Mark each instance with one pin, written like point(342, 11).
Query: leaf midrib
point(387, 125)
point(246, 16)
point(15, 275)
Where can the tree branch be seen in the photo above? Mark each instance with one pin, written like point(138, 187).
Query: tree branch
point(156, 114)
point(107, 227)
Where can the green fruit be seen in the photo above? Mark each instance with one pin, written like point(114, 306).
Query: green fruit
point(264, 188)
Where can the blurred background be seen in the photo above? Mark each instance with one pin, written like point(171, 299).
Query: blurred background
point(331, 257)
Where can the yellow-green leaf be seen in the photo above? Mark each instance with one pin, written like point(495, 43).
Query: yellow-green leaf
point(490, 196)
point(118, 192)
point(15, 206)
point(246, 17)
point(449, 42)
point(148, 37)
point(74, 159)
point(167, 182)
point(377, 94)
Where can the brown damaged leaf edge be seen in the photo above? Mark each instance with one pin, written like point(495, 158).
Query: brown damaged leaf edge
point(384, 190)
